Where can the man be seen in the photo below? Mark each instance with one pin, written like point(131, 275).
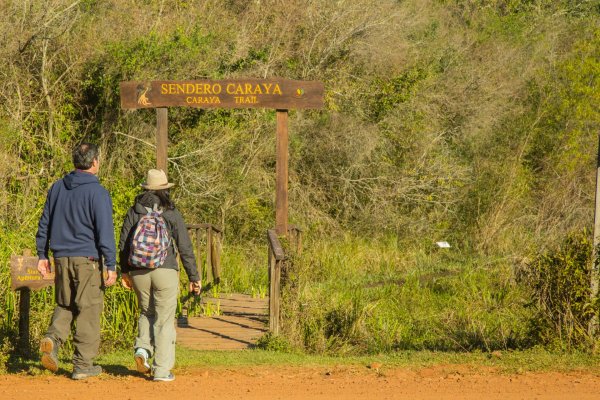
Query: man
point(77, 226)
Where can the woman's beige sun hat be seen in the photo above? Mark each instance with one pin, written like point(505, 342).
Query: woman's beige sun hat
point(156, 179)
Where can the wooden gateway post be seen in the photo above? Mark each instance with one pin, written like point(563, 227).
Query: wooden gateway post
point(279, 94)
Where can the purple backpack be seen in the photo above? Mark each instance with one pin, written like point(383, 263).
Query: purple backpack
point(150, 242)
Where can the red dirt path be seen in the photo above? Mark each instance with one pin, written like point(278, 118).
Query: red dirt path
point(355, 382)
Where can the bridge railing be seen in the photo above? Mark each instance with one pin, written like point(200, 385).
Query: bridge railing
point(214, 242)
point(276, 259)
point(277, 263)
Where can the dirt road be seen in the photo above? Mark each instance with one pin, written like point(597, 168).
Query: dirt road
point(290, 383)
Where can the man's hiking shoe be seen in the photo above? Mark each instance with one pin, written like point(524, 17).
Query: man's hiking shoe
point(141, 360)
point(49, 351)
point(84, 373)
point(168, 378)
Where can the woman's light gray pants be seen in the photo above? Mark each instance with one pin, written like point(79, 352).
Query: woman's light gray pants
point(157, 291)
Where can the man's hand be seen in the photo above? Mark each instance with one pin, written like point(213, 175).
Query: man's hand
point(111, 278)
point(44, 268)
point(126, 281)
point(196, 287)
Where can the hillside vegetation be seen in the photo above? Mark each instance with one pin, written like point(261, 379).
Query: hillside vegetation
point(474, 122)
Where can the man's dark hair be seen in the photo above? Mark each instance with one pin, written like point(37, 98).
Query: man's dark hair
point(84, 155)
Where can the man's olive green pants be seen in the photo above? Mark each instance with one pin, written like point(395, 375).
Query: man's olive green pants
point(79, 298)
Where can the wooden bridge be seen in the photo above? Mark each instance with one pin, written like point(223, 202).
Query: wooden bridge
point(236, 321)
point(241, 321)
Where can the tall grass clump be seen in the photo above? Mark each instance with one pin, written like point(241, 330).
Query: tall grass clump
point(244, 269)
point(360, 296)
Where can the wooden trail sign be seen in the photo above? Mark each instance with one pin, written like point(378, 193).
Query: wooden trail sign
point(278, 94)
point(24, 273)
point(237, 93)
point(25, 277)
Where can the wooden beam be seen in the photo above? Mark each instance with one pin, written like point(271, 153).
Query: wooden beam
point(275, 245)
point(24, 306)
point(274, 293)
point(209, 256)
point(215, 228)
point(162, 138)
point(199, 251)
point(232, 93)
point(593, 324)
point(276, 316)
point(281, 174)
point(215, 253)
point(276, 258)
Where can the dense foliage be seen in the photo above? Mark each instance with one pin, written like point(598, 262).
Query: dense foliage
point(469, 121)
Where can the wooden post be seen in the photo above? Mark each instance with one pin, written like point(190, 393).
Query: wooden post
point(276, 258)
point(24, 306)
point(274, 293)
point(593, 326)
point(215, 252)
point(281, 171)
point(277, 298)
point(270, 268)
point(209, 266)
point(199, 251)
point(162, 138)
point(298, 243)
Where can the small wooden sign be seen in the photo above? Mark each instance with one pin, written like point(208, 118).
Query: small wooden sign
point(281, 94)
point(24, 273)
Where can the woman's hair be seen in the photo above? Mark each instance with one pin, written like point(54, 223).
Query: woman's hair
point(165, 200)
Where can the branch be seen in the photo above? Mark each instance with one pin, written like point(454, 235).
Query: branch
point(135, 138)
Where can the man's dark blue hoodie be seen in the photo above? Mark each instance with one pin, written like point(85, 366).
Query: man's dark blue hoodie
point(77, 220)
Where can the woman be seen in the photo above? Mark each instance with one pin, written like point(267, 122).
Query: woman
point(157, 289)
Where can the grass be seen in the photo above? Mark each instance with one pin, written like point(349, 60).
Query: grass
point(511, 362)
point(351, 296)
point(244, 270)
point(354, 302)
point(356, 296)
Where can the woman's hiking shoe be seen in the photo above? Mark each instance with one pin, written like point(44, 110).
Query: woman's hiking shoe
point(49, 351)
point(84, 373)
point(141, 360)
point(168, 378)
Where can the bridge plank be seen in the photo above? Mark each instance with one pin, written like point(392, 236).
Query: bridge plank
point(242, 320)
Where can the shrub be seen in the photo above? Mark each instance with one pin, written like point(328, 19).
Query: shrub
point(273, 343)
point(559, 281)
